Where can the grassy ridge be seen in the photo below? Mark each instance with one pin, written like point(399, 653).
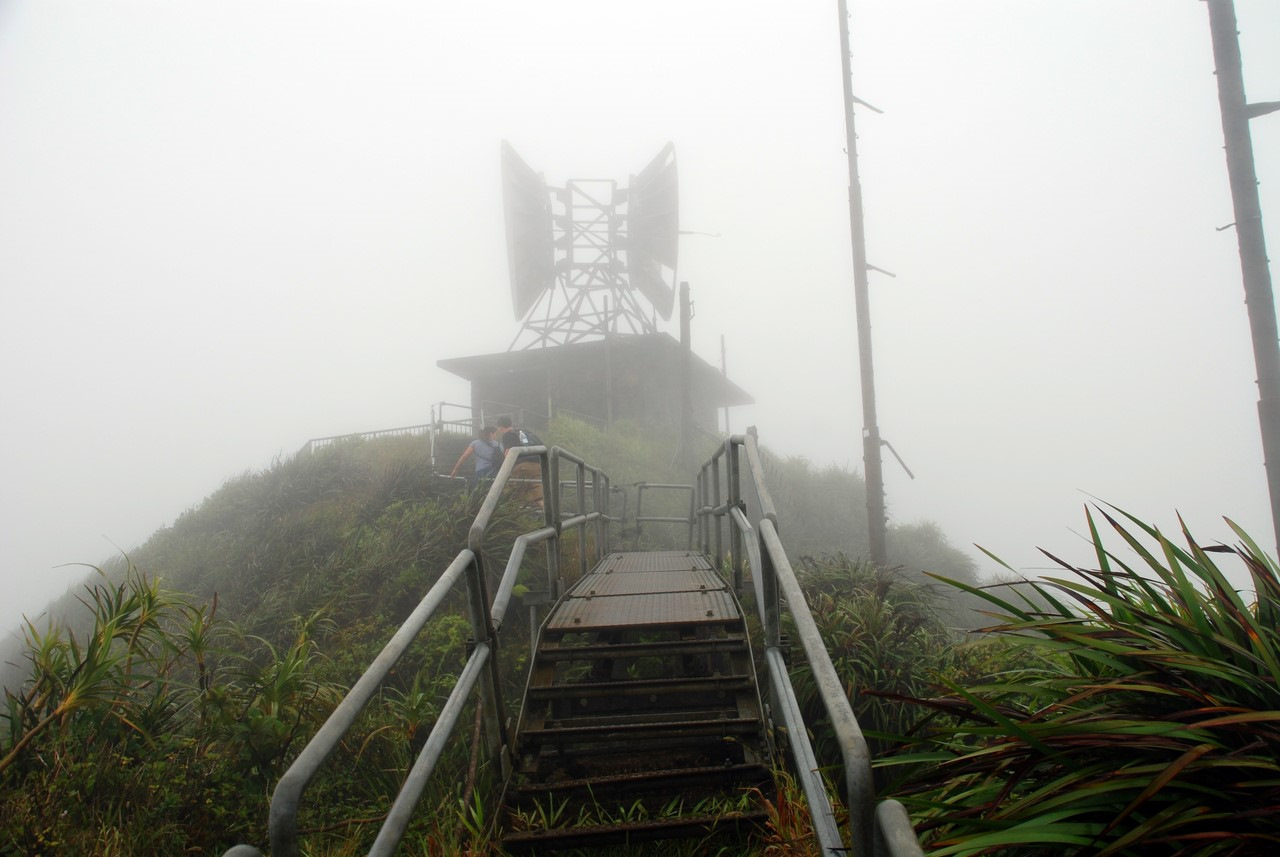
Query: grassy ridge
point(168, 699)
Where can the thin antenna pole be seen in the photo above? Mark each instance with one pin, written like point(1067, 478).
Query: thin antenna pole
point(1253, 249)
point(871, 462)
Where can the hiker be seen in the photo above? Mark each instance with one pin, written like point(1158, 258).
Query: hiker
point(488, 454)
point(528, 471)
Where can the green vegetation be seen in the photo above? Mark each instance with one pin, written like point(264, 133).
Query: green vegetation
point(1140, 715)
point(1129, 709)
point(162, 707)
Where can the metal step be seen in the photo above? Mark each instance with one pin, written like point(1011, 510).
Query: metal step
point(660, 731)
point(553, 652)
point(666, 781)
point(641, 715)
point(719, 685)
point(735, 824)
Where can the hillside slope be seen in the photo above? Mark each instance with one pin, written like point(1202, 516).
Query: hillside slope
point(159, 719)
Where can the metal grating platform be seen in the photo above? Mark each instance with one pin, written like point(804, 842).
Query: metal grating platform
point(653, 561)
point(630, 590)
point(598, 585)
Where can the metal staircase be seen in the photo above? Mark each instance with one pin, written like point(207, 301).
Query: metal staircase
point(642, 717)
point(642, 687)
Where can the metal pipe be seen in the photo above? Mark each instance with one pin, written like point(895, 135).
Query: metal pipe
point(746, 534)
point(581, 527)
point(392, 830)
point(511, 572)
point(825, 827)
point(755, 464)
point(895, 837)
point(853, 746)
point(283, 816)
point(733, 486)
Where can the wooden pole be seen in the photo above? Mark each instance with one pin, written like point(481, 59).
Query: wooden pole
point(1258, 297)
point(871, 461)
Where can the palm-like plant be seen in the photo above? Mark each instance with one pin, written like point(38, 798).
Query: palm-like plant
point(1143, 717)
point(121, 668)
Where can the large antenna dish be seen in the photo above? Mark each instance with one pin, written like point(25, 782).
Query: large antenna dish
point(586, 258)
point(530, 251)
point(653, 230)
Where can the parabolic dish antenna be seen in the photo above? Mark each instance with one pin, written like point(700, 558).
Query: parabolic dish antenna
point(586, 257)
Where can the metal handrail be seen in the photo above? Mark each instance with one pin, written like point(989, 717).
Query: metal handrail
point(880, 830)
point(321, 442)
point(689, 520)
point(481, 668)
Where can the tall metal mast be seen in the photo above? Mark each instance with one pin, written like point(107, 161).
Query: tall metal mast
point(1236, 113)
point(871, 462)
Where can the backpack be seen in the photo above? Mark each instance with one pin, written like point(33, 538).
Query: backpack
point(520, 437)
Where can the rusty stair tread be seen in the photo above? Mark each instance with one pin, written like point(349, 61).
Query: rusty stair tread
point(718, 727)
point(639, 687)
point(726, 711)
point(720, 774)
point(606, 834)
point(593, 651)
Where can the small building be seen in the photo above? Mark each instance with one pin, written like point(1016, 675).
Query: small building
point(620, 377)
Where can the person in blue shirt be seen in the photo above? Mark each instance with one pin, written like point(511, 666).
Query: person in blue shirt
point(487, 452)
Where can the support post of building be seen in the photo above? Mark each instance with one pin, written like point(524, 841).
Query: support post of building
point(1236, 113)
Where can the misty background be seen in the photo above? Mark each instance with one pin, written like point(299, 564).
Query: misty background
point(226, 229)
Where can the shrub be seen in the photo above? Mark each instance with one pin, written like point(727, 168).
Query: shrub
point(1141, 717)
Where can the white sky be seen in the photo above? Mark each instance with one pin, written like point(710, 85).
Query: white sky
point(227, 228)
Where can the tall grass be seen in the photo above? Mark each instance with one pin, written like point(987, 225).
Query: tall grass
point(149, 722)
point(1141, 717)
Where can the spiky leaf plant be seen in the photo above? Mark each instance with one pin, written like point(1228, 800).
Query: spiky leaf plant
point(1143, 718)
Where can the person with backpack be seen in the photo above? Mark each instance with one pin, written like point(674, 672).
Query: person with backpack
point(512, 436)
point(527, 472)
point(488, 454)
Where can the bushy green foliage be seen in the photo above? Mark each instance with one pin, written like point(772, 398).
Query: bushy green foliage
point(151, 723)
point(98, 749)
point(888, 640)
point(1141, 717)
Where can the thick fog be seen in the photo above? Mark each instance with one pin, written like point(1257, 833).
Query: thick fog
point(227, 228)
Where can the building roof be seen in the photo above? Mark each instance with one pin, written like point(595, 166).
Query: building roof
point(651, 351)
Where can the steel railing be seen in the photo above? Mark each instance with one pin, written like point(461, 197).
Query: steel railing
point(482, 666)
point(883, 829)
point(317, 443)
point(689, 519)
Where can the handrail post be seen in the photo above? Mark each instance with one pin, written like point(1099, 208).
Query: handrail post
point(770, 610)
point(491, 690)
point(582, 529)
point(718, 522)
point(608, 509)
point(639, 511)
point(693, 517)
point(600, 502)
point(700, 507)
point(550, 472)
point(734, 499)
